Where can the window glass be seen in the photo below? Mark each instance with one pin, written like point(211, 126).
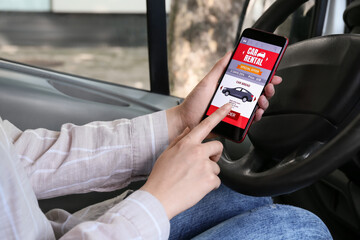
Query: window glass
point(296, 27)
point(104, 40)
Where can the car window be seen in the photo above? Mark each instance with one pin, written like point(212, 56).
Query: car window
point(301, 18)
point(104, 40)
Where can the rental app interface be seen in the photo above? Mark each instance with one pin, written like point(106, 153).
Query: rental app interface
point(244, 80)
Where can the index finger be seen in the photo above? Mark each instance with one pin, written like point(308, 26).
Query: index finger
point(276, 80)
point(200, 132)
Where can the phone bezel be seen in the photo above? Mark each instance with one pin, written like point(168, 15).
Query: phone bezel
point(230, 131)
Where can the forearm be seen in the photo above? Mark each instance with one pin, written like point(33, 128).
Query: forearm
point(100, 156)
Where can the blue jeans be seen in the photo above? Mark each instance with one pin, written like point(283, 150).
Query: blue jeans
point(225, 214)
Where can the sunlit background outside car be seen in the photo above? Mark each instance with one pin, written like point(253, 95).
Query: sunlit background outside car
point(107, 40)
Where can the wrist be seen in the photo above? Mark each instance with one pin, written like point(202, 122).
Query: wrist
point(175, 122)
point(168, 208)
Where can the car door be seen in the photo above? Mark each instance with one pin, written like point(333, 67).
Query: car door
point(59, 65)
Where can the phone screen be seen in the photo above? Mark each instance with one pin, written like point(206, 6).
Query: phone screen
point(244, 80)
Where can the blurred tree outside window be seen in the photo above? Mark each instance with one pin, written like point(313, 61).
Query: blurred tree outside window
point(200, 33)
point(106, 40)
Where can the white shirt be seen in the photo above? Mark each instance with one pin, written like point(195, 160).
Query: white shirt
point(99, 156)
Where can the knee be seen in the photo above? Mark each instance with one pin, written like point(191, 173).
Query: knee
point(271, 222)
point(294, 223)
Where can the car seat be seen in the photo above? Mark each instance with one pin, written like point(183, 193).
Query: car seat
point(352, 17)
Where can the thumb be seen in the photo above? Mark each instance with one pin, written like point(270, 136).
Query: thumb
point(218, 68)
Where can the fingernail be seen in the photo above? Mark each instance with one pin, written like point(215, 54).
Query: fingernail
point(228, 106)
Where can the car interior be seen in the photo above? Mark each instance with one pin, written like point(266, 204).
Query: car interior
point(304, 152)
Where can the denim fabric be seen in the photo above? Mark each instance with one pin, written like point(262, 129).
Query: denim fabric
point(225, 214)
point(214, 208)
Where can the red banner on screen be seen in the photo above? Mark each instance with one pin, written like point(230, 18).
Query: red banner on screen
point(255, 56)
point(233, 118)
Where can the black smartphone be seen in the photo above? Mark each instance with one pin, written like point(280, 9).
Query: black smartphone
point(252, 65)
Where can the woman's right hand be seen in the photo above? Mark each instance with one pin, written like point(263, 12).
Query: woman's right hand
point(187, 170)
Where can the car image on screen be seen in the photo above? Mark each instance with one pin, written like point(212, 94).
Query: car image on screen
point(238, 92)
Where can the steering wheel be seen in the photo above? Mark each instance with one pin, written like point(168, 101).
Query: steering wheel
point(312, 125)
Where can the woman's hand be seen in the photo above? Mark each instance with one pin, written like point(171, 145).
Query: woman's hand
point(187, 170)
point(190, 112)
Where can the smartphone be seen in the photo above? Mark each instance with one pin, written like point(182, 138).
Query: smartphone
point(252, 65)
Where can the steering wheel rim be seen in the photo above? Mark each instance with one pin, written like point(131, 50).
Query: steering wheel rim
point(295, 166)
point(305, 163)
point(273, 17)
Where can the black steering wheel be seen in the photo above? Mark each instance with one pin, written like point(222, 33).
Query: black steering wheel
point(313, 123)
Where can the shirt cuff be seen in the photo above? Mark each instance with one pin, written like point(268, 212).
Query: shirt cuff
point(149, 138)
point(146, 214)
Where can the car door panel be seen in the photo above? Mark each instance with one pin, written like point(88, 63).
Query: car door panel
point(32, 98)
